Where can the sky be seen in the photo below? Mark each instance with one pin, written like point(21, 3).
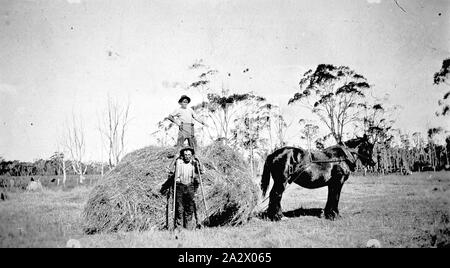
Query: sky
point(64, 57)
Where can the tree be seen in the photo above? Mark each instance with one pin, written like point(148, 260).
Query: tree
point(222, 109)
point(278, 124)
point(309, 131)
point(418, 144)
point(441, 77)
point(115, 122)
point(204, 78)
point(165, 132)
point(247, 133)
point(447, 150)
point(417, 140)
point(75, 145)
point(406, 142)
point(219, 107)
point(40, 166)
point(405, 152)
point(203, 85)
point(432, 133)
point(334, 94)
point(438, 147)
point(58, 158)
point(377, 122)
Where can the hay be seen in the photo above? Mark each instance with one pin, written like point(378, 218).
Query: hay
point(128, 197)
point(34, 186)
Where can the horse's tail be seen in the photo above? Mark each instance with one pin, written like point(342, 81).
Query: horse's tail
point(265, 180)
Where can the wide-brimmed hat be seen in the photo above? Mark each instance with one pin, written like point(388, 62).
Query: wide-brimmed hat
point(183, 98)
point(187, 149)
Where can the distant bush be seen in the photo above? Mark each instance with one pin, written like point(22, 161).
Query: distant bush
point(21, 182)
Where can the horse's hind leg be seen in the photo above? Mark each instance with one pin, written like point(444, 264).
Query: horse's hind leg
point(274, 211)
point(334, 193)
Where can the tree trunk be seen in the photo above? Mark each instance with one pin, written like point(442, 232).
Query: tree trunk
point(447, 162)
point(64, 173)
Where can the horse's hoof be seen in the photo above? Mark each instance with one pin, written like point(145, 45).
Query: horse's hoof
point(332, 216)
point(275, 217)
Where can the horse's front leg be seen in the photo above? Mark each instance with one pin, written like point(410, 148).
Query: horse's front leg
point(274, 211)
point(334, 193)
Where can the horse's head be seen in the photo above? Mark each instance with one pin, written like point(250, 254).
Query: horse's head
point(363, 150)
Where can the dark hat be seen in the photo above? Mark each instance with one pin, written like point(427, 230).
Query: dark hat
point(187, 149)
point(184, 97)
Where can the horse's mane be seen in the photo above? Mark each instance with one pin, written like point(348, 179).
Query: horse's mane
point(354, 142)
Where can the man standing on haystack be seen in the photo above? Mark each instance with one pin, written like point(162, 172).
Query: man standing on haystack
point(186, 180)
point(184, 117)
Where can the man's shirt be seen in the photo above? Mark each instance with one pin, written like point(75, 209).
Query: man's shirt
point(186, 116)
point(184, 172)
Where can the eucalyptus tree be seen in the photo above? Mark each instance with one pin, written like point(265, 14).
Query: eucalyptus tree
point(223, 109)
point(249, 128)
point(59, 160)
point(335, 94)
point(309, 131)
point(441, 77)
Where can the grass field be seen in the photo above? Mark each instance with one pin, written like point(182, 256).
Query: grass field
point(399, 211)
point(50, 182)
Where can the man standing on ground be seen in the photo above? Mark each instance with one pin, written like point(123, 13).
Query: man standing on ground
point(187, 170)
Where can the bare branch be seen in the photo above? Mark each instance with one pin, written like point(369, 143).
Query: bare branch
point(115, 121)
point(400, 6)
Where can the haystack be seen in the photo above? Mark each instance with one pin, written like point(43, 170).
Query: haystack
point(34, 186)
point(128, 197)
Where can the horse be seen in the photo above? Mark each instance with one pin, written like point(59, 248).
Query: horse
point(313, 169)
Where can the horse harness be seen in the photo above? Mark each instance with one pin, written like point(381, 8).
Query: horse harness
point(335, 160)
point(347, 152)
point(291, 170)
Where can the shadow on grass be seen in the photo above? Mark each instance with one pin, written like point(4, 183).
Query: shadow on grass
point(312, 212)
